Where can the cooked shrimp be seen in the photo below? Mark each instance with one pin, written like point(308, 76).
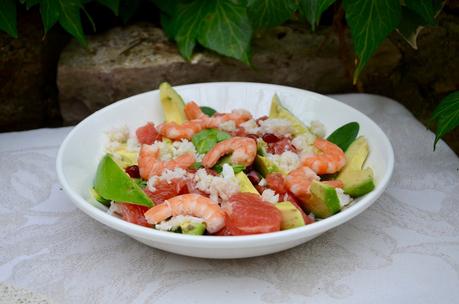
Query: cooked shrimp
point(299, 182)
point(193, 111)
point(238, 116)
point(177, 131)
point(189, 204)
point(329, 160)
point(243, 151)
point(151, 165)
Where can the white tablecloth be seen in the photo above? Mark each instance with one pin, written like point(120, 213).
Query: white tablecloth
point(404, 249)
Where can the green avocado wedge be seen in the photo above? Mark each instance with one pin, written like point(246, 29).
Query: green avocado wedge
point(114, 184)
point(291, 216)
point(193, 228)
point(265, 166)
point(172, 103)
point(279, 111)
point(245, 184)
point(324, 201)
point(357, 181)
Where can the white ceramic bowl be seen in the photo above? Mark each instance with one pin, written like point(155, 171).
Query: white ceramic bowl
point(82, 149)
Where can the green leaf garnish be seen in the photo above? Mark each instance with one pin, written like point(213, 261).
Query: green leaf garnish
point(370, 22)
point(208, 111)
point(205, 140)
point(344, 135)
point(446, 114)
point(226, 160)
point(196, 165)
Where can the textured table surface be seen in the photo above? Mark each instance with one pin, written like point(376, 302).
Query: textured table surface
point(403, 249)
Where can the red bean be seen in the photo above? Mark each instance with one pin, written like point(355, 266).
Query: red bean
point(270, 138)
point(133, 171)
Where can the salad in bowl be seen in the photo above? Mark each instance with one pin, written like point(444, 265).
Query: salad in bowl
point(203, 172)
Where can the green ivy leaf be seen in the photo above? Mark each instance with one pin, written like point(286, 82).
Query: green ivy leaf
point(370, 22)
point(49, 10)
point(114, 5)
point(29, 3)
point(423, 8)
point(313, 9)
point(410, 26)
point(267, 13)
point(446, 114)
point(8, 17)
point(226, 29)
point(187, 23)
point(70, 20)
point(127, 9)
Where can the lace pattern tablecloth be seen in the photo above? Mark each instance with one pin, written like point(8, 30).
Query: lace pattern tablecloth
point(404, 249)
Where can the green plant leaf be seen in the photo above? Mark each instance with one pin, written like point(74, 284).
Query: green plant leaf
point(187, 23)
point(370, 22)
point(8, 17)
point(446, 114)
point(268, 13)
point(410, 26)
point(226, 29)
point(29, 3)
point(313, 9)
point(423, 8)
point(206, 139)
point(49, 10)
point(345, 135)
point(114, 5)
point(127, 9)
point(70, 20)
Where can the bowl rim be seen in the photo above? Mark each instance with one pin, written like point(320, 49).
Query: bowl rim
point(223, 241)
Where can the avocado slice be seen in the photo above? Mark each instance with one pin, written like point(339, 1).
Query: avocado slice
point(279, 111)
point(324, 201)
point(99, 198)
point(262, 147)
point(265, 166)
point(245, 184)
point(193, 228)
point(113, 183)
point(172, 103)
point(357, 181)
point(291, 216)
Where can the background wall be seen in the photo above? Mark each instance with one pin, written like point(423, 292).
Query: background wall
point(50, 81)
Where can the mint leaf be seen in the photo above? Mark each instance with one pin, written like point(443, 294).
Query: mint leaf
point(446, 114)
point(370, 22)
point(313, 9)
point(267, 13)
point(8, 17)
point(208, 111)
point(206, 139)
point(345, 135)
point(226, 29)
point(423, 8)
point(111, 4)
point(49, 10)
point(187, 23)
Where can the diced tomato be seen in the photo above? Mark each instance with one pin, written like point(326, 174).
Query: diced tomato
point(133, 213)
point(147, 134)
point(275, 181)
point(254, 177)
point(249, 214)
point(165, 190)
point(279, 147)
point(334, 183)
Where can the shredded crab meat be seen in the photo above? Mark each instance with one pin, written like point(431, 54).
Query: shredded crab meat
point(286, 161)
point(167, 175)
point(220, 188)
point(270, 196)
